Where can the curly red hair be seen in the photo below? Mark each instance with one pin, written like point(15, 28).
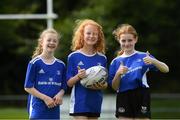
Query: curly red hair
point(78, 36)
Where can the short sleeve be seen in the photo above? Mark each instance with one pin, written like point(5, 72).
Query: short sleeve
point(64, 83)
point(30, 76)
point(111, 73)
point(70, 68)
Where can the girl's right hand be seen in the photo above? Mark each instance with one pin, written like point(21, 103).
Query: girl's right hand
point(122, 69)
point(49, 102)
point(81, 73)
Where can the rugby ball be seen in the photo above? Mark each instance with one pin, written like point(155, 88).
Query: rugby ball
point(94, 74)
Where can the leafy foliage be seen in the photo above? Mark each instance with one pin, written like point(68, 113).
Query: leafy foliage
point(156, 21)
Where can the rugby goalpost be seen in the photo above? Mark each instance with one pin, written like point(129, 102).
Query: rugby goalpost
point(49, 16)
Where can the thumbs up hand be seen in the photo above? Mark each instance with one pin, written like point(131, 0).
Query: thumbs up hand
point(122, 69)
point(148, 59)
point(147, 53)
point(81, 73)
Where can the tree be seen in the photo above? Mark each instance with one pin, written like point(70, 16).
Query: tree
point(156, 21)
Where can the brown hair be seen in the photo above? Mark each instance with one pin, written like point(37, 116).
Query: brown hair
point(38, 50)
point(122, 29)
point(78, 36)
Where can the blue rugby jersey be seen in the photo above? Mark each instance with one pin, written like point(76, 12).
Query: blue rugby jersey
point(48, 79)
point(84, 99)
point(136, 75)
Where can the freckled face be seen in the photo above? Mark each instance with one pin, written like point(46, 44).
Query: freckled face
point(90, 35)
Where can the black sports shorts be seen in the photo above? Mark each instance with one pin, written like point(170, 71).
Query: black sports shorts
point(133, 103)
point(86, 114)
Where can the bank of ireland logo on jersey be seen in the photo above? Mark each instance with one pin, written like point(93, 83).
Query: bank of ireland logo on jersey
point(50, 79)
point(99, 64)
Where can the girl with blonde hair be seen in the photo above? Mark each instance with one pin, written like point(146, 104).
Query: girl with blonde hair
point(88, 46)
point(45, 78)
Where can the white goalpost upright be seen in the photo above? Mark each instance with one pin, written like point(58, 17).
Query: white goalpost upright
point(49, 16)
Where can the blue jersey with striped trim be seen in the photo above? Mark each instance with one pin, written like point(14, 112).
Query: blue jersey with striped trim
point(136, 75)
point(84, 99)
point(48, 79)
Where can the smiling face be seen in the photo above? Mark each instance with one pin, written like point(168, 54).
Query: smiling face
point(127, 42)
point(90, 35)
point(49, 42)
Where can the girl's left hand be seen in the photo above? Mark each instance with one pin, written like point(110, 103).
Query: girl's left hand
point(58, 99)
point(148, 60)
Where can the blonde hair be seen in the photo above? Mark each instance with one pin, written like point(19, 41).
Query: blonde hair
point(38, 50)
point(122, 29)
point(78, 35)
